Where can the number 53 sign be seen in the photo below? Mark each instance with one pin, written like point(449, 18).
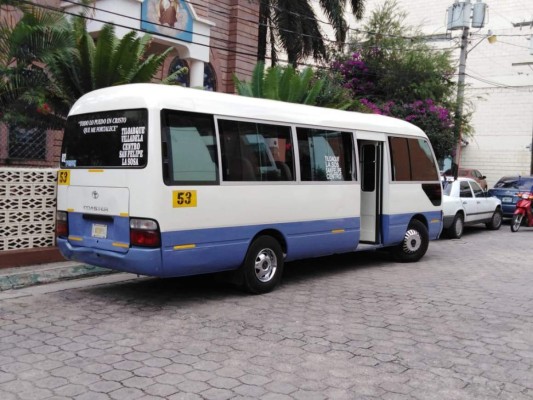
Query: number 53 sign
point(184, 198)
point(63, 177)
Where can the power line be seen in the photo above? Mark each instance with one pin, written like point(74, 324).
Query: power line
point(55, 9)
point(497, 84)
point(254, 22)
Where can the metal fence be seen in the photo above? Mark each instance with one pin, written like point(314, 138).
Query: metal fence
point(29, 147)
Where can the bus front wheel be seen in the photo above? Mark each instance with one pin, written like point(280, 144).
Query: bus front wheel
point(263, 265)
point(414, 244)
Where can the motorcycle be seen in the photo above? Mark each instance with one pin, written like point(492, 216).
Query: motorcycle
point(523, 209)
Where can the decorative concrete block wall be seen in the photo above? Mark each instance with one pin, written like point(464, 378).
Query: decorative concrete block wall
point(27, 208)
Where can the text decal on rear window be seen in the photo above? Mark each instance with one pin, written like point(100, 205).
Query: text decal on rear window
point(106, 139)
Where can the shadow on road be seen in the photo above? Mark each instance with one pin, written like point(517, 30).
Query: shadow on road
point(216, 286)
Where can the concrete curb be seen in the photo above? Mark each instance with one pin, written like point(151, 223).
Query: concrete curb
point(21, 277)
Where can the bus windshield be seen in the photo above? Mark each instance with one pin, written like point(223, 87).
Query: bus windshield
point(106, 139)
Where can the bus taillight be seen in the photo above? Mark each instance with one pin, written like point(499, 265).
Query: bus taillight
point(144, 232)
point(61, 224)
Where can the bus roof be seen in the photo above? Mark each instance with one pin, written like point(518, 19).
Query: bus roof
point(159, 96)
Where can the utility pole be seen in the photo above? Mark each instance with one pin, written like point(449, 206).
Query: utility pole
point(461, 94)
point(460, 16)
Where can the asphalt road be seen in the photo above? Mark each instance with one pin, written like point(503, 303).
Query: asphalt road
point(456, 325)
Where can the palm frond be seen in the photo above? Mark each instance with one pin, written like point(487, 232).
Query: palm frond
point(334, 11)
point(243, 88)
point(149, 67)
point(304, 77)
point(87, 52)
point(105, 46)
point(313, 92)
point(257, 79)
point(172, 78)
point(271, 83)
point(358, 8)
point(285, 83)
point(120, 64)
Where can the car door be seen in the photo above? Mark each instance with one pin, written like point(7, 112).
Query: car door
point(468, 200)
point(485, 208)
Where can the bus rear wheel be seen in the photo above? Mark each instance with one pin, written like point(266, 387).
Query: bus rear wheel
point(263, 266)
point(414, 244)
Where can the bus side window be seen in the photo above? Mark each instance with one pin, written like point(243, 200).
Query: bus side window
point(191, 160)
point(325, 155)
point(412, 160)
point(255, 152)
point(190, 148)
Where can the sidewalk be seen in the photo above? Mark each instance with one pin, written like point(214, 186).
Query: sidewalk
point(20, 277)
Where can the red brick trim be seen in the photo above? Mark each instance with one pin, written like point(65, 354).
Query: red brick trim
point(24, 257)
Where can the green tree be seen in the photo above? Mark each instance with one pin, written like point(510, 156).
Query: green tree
point(293, 26)
point(403, 66)
point(25, 91)
point(48, 61)
point(393, 71)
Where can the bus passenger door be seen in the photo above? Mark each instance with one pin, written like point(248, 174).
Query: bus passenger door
point(371, 167)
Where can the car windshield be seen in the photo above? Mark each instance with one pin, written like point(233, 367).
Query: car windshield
point(519, 183)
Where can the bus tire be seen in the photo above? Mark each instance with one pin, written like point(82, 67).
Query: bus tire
point(414, 244)
point(263, 266)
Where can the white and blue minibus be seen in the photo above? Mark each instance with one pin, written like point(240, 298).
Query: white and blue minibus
point(168, 181)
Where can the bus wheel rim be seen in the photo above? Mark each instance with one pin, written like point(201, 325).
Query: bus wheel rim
point(412, 241)
point(266, 264)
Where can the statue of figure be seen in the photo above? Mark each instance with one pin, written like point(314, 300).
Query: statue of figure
point(168, 11)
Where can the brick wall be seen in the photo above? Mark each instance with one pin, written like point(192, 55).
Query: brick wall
point(233, 39)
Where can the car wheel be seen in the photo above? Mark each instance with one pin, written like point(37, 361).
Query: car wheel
point(496, 220)
point(455, 231)
point(414, 244)
point(516, 222)
point(263, 265)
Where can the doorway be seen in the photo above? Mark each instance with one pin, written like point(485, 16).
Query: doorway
point(371, 167)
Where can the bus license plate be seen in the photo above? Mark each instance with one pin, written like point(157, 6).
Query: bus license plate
point(99, 231)
point(507, 199)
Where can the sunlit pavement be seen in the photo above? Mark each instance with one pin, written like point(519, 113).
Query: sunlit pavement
point(456, 325)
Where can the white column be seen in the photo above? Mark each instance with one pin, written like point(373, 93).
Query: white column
point(196, 73)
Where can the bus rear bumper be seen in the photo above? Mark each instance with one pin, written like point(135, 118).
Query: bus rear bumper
point(140, 261)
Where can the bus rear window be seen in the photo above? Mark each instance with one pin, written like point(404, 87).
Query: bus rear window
point(106, 139)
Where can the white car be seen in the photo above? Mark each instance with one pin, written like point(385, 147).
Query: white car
point(465, 203)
